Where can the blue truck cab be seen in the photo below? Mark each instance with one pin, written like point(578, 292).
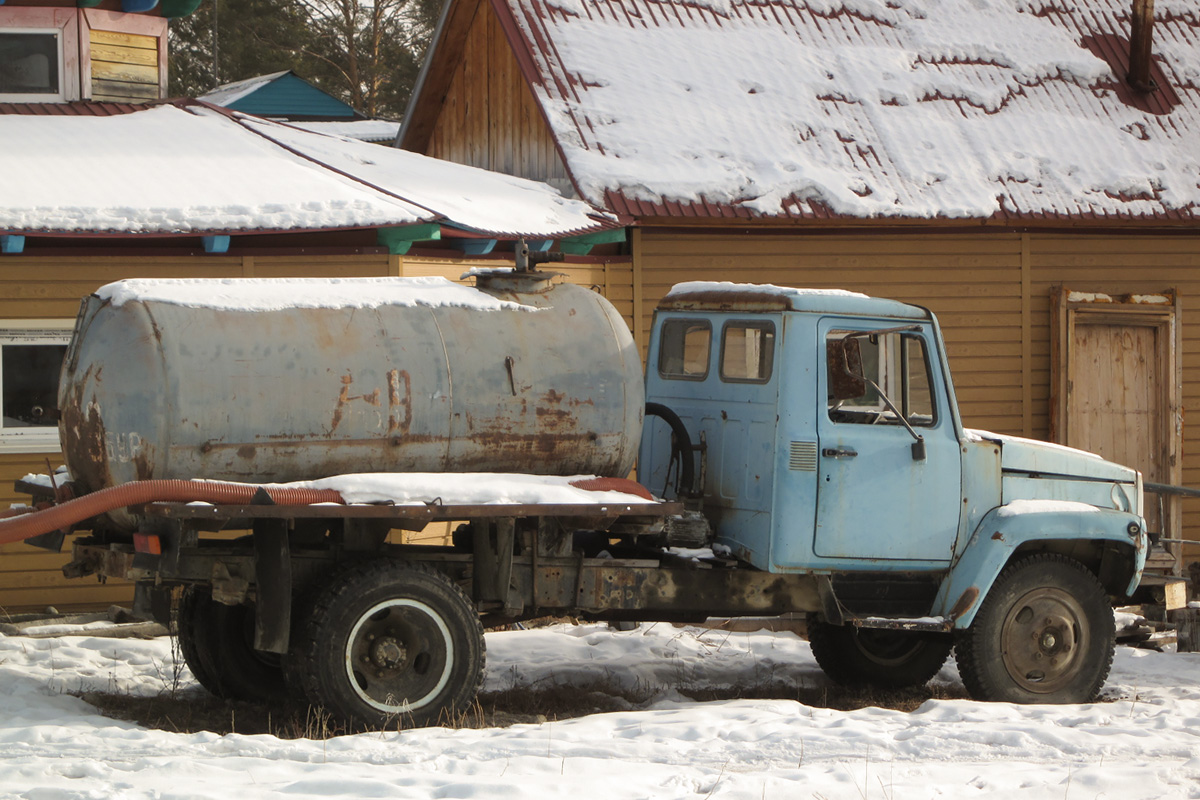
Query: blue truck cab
point(827, 441)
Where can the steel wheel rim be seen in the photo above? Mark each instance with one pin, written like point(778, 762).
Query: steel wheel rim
point(1043, 640)
point(399, 656)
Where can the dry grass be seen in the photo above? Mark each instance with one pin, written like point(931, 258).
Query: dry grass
point(192, 712)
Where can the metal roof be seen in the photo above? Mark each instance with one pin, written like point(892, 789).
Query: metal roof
point(187, 168)
point(576, 54)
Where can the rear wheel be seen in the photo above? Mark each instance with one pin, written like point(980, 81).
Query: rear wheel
point(192, 624)
point(874, 657)
point(217, 641)
point(1044, 634)
point(389, 643)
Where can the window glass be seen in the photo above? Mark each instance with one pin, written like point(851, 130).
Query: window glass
point(864, 371)
point(747, 352)
point(30, 362)
point(29, 63)
point(684, 349)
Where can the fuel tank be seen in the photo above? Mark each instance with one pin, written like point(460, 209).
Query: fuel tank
point(269, 381)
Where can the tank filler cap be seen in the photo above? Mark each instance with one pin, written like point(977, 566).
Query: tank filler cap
point(510, 280)
point(525, 277)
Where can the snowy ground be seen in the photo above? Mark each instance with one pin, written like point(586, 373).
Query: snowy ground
point(1144, 743)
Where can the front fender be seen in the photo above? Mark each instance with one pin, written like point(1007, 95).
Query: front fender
point(1005, 529)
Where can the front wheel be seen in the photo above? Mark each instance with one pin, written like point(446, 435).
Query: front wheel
point(1044, 634)
point(391, 644)
point(874, 657)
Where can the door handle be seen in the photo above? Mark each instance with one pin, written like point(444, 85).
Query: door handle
point(839, 452)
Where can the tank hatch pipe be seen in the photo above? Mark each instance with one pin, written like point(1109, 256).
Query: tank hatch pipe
point(72, 512)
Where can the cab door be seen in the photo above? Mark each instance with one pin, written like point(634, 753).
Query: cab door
point(880, 494)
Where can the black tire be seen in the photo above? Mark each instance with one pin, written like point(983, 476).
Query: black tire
point(243, 672)
point(887, 659)
point(391, 644)
point(1044, 634)
point(192, 625)
point(217, 641)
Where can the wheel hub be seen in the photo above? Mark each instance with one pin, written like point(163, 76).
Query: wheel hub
point(388, 653)
point(1040, 640)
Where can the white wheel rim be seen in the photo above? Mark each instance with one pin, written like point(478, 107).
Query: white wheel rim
point(402, 705)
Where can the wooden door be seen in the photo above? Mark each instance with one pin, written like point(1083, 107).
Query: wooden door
point(1117, 381)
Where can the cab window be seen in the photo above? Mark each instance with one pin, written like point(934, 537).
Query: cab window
point(866, 370)
point(747, 352)
point(684, 349)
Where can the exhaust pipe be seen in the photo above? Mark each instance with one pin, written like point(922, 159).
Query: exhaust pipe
point(1141, 46)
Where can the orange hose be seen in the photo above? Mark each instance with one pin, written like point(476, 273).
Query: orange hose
point(64, 515)
point(613, 485)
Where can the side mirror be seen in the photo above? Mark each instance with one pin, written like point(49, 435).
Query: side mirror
point(846, 380)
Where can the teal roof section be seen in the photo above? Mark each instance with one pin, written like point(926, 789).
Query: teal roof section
point(281, 95)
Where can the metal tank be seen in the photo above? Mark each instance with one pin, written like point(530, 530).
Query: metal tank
point(518, 374)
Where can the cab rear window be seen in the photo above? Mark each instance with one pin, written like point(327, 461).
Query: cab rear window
point(747, 352)
point(683, 353)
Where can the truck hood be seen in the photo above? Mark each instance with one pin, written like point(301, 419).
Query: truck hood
point(1049, 460)
point(1033, 470)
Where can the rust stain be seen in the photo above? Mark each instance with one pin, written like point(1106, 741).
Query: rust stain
point(997, 537)
point(343, 398)
point(399, 402)
point(84, 435)
point(727, 300)
point(246, 451)
point(965, 602)
point(554, 397)
point(143, 466)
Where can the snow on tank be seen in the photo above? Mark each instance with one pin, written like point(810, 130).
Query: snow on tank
point(288, 380)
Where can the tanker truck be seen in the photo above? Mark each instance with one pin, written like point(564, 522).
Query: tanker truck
point(255, 450)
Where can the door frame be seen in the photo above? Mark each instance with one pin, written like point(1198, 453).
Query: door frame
point(1160, 310)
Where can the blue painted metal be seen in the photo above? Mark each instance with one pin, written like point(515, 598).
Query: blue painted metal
point(1002, 532)
point(881, 503)
point(540, 245)
point(12, 243)
point(216, 244)
point(880, 510)
point(738, 424)
point(137, 6)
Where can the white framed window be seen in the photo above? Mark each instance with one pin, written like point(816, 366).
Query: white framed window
point(31, 65)
point(31, 356)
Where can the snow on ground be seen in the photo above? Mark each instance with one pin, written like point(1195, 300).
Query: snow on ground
point(1144, 743)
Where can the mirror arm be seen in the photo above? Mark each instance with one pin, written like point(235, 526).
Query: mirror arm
point(918, 447)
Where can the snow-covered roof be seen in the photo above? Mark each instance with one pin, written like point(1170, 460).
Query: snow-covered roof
point(367, 130)
point(866, 108)
point(189, 168)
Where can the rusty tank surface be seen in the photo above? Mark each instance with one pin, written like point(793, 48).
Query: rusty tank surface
point(270, 381)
